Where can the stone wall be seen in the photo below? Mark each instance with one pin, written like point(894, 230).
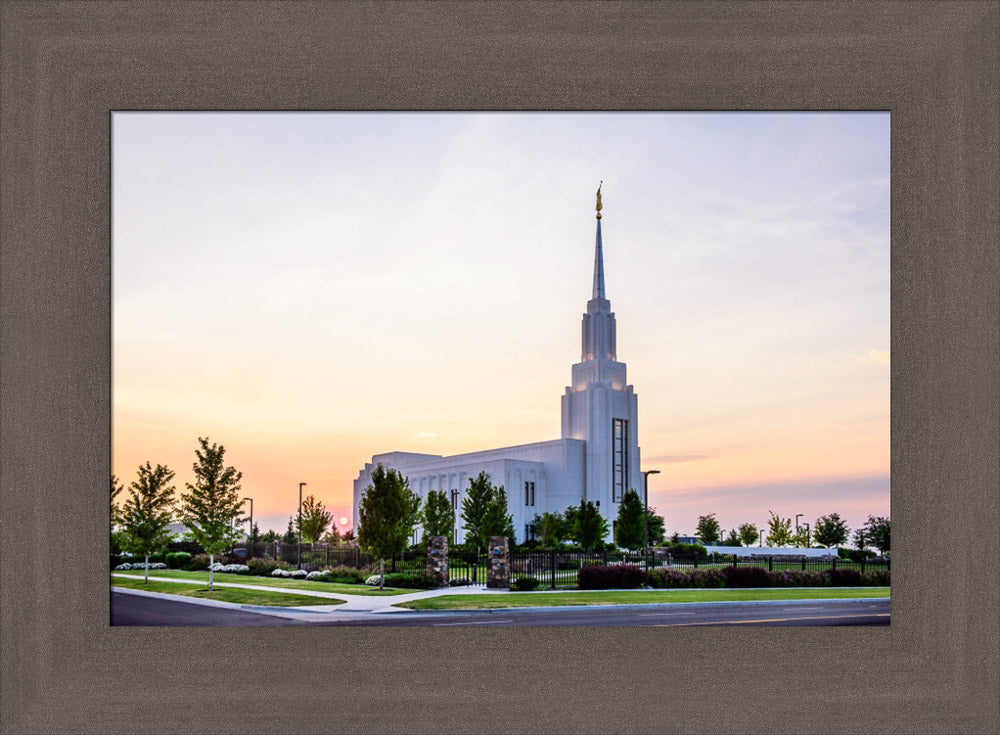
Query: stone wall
point(437, 559)
point(498, 563)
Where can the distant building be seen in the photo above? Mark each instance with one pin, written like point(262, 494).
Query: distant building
point(596, 459)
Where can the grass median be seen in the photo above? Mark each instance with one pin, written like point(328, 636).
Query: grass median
point(638, 597)
point(279, 582)
point(225, 594)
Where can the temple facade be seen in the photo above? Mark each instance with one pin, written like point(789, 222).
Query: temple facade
point(596, 459)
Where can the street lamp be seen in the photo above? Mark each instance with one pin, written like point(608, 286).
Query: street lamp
point(250, 534)
point(298, 553)
point(760, 537)
point(797, 516)
point(645, 519)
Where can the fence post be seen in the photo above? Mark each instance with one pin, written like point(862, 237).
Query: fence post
point(552, 566)
point(862, 565)
point(770, 563)
point(736, 561)
point(803, 563)
point(696, 560)
point(834, 563)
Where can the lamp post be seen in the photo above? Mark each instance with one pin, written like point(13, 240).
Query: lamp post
point(797, 516)
point(298, 553)
point(808, 544)
point(645, 519)
point(250, 533)
point(760, 537)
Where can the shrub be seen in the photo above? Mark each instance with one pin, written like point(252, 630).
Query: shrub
point(613, 576)
point(524, 584)
point(264, 567)
point(672, 578)
point(343, 575)
point(198, 563)
point(420, 581)
point(178, 559)
point(798, 578)
point(374, 581)
point(746, 577)
point(875, 578)
point(688, 551)
point(843, 577)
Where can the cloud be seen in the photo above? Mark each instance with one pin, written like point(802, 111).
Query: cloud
point(425, 435)
point(878, 357)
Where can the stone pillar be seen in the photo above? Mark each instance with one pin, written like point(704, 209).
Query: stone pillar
point(437, 559)
point(498, 563)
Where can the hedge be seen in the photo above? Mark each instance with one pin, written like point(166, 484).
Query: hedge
point(611, 577)
point(673, 578)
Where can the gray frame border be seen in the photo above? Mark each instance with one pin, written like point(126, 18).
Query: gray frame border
point(64, 66)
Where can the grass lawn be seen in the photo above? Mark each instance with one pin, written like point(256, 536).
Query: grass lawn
point(627, 597)
point(225, 594)
point(292, 584)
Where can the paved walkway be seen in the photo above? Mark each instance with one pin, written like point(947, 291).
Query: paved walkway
point(355, 605)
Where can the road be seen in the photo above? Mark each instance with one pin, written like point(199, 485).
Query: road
point(132, 610)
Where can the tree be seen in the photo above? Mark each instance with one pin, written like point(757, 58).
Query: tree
point(802, 538)
point(438, 518)
point(114, 542)
point(147, 512)
point(708, 529)
point(290, 536)
point(748, 534)
point(474, 509)
point(877, 532)
point(496, 520)
point(733, 539)
point(590, 527)
point(779, 531)
point(386, 516)
point(830, 530)
point(861, 539)
point(657, 527)
point(629, 530)
point(551, 529)
point(315, 519)
point(331, 537)
point(270, 537)
point(116, 489)
point(211, 508)
point(253, 538)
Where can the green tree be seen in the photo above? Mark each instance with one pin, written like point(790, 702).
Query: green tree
point(116, 489)
point(496, 521)
point(551, 529)
point(211, 508)
point(147, 512)
point(475, 506)
point(657, 527)
point(386, 516)
point(733, 539)
point(877, 533)
point(629, 530)
point(438, 518)
point(708, 529)
point(748, 534)
point(114, 542)
point(270, 537)
point(569, 524)
point(861, 539)
point(290, 536)
point(590, 527)
point(253, 538)
point(802, 538)
point(315, 519)
point(779, 531)
point(830, 530)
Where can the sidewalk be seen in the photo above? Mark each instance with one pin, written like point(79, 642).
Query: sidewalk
point(355, 607)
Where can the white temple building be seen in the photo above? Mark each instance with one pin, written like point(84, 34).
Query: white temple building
point(596, 459)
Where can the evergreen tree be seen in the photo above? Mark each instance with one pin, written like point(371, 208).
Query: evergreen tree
point(779, 531)
point(387, 513)
point(496, 520)
point(748, 534)
point(315, 519)
point(438, 518)
point(708, 529)
point(212, 505)
point(590, 526)
point(629, 530)
point(475, 506)
point(147, 512)
point(290, 536)
point(733, 539)
point(830, 530)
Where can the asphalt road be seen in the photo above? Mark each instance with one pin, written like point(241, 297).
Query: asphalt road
point(132, 610)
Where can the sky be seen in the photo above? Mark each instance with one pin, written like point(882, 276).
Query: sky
point(310, 289)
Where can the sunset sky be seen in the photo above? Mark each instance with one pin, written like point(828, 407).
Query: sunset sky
point(310, 289)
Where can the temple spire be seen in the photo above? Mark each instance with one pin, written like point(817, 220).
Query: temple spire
point(598, 254)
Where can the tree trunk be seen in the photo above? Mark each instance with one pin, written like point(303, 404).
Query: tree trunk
point(211, 563)
point(147, 568)
point(381, 574)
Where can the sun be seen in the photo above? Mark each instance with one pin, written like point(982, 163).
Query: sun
point(343, 520)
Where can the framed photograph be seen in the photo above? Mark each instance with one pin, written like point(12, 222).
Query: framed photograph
point(68, 69)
